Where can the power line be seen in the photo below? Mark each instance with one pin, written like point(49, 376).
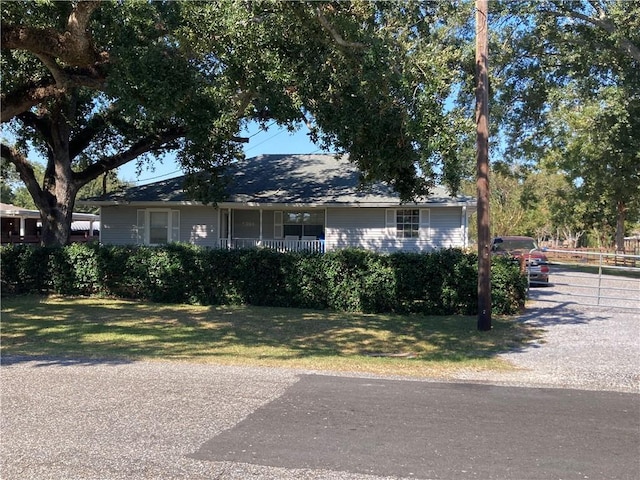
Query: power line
point(156, 177)
point(264, 141)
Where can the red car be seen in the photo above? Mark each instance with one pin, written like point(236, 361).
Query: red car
point(524, 249)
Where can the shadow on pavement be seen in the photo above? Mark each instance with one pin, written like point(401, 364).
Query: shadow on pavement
point(49, 361)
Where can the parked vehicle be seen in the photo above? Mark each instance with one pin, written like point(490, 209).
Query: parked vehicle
point(526, 251)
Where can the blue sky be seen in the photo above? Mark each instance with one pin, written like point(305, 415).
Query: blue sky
point(273, 141)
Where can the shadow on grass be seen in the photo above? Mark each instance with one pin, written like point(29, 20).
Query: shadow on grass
point(89, 331)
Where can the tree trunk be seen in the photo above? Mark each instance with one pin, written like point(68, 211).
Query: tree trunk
point(59, 188)
point(620, 219)
point(57, 214)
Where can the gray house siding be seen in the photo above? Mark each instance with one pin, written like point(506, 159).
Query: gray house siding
point(118, 225)
point(447, 227)
point(198, 225)
point(367, 228)
point(345, 227)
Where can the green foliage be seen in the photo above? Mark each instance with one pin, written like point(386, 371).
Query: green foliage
point(438, 283)
point(359, 280)
point(508, 286)
point(540, 204)
point(144, 79)
point(568, 100)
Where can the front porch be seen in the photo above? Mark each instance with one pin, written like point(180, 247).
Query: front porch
point(292, 230)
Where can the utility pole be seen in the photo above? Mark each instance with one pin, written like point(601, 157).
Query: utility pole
point(482, 162)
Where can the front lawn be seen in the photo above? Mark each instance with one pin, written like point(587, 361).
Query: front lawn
point(100, 328)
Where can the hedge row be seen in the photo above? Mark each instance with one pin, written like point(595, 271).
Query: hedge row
point(443, 282)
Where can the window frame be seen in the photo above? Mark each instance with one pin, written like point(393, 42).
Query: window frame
point(143, 233)
point(423, 223)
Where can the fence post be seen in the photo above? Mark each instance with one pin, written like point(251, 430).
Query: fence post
point(599, 278)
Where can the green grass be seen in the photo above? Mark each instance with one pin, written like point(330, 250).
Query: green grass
point(320, 340)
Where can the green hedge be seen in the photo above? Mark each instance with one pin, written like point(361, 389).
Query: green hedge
point(443, 282)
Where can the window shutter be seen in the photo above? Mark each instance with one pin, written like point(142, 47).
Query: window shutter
point(390, 222)
point(175, 225)
point(278, 229)
point(140, 230)
point(425, 223)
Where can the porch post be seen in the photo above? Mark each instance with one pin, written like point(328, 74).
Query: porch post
point(229, 223)
point(324, 232)
point(465, 222)
point(218, 228)
point(23, 227)
point(261, 225)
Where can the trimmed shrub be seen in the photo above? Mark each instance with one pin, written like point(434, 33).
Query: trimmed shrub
point(123, 271)
point(359, 281)
point(25, 269)
point(438, 283)
point(508, 286)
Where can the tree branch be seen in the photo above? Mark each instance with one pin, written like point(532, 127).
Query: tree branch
point(336, 36)
point(73, 48)
point(58, 75)
point(19, 101)
point(153, 143)
point(41, 124)
point(70, 57)
point(25, 170)
point(84, 137)
point(625, 45)
point(72, 51)
point(80, 16)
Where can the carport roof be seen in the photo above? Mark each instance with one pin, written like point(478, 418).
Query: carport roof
point(9, 210)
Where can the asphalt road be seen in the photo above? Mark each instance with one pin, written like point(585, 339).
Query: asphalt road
point(435, 430)
point(168, 421)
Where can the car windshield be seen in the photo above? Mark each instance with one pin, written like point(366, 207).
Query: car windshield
point(511, 245)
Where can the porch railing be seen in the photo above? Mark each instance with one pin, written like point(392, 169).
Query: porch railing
point(279, 245)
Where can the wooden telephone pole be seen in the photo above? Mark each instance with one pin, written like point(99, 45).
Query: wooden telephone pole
point(482, 161)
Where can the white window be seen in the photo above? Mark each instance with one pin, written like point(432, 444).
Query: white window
point(408, 222)
point(157, 226)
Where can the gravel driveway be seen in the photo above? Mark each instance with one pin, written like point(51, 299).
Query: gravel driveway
point(585, 345)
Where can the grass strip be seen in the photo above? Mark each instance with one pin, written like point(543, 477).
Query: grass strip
point(98, 328)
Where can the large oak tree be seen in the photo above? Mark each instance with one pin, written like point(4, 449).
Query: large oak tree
point(93, 85)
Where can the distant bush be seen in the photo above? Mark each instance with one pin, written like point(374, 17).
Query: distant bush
point(441, 283)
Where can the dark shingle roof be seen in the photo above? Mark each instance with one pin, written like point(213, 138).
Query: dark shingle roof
point(281, 179)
